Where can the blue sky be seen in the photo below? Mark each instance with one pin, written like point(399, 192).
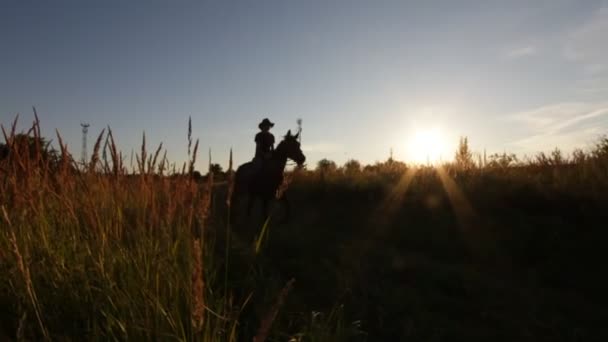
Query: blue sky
point(365, 76)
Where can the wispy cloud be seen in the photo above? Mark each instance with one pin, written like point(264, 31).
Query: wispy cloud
point(587, 43)
point(522, 51)
point(565, 125)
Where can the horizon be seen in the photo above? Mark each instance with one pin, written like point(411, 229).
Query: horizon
point(479, 158)
point(365, 78)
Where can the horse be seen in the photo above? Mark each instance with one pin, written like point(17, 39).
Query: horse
point(263, 184)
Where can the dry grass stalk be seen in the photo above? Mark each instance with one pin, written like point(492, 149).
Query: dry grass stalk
point(198, 296)
point(63, 148)
point(131, 161)
point(6, 136)
point(163, 164)
point(152, 166)
point(37, 141)
point(189, 135)
point(230, 174)
point(21, 327)
point(203, 212)
point(5, 215)
point(104, 155)
point(14, 126)
point(25, 271)
point(95, 156)
point(141, 159)
point(193, 161)
point(115, 155)
point(266, 324)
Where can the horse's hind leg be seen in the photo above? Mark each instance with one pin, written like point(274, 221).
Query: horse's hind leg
point(233, 206)
point(287, 207)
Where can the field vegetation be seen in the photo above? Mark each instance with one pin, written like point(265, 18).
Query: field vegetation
point(482, 248)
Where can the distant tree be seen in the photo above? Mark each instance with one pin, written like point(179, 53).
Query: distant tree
point(601, 149)
point(503, 160)
point(30, 147)
point(541, 159)
point(464, 156)
point(578, 156)
point(556, 157)
point(393, 166)
point(197, 176)
point(3, 151)
point(326, 165)
point(216, 169)
point(352, 167)
point(371, 168)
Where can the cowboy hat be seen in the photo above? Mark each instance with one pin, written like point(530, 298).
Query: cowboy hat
point(265, 122)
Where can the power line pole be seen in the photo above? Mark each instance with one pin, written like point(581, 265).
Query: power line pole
point(299, 122)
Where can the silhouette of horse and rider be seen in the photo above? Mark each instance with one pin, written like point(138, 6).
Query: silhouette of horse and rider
point(262, 177)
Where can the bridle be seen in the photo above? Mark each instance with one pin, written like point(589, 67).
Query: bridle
point(299, 135)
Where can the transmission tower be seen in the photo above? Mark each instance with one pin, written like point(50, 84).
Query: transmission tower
point(85, 130)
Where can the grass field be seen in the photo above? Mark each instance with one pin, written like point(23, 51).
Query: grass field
point(507, 253)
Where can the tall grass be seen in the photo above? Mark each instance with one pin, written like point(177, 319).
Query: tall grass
point(92, 251)
point(96, 250)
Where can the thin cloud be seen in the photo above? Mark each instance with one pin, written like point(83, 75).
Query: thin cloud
point(592, 84)
point(594, 69)
point(521, 52)
point(546, 116)
point(594, 90)
point(587, 43)
point(563, 125)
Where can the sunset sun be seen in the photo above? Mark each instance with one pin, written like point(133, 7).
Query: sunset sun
point(426, 146)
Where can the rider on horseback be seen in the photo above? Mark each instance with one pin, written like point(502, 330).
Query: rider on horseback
point(262, 177)
point(264, 144)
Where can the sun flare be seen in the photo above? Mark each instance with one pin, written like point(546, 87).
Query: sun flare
point(426, 146)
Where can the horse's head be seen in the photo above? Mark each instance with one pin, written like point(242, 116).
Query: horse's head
point(290, 148)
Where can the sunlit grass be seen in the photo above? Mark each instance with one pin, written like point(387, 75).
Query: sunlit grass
point(93, 251)
point(99, 252)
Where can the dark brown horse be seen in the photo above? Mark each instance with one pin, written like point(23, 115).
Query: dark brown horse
point(264, 182)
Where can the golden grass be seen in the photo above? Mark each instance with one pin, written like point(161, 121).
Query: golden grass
point(127, 235)
point(97, 251)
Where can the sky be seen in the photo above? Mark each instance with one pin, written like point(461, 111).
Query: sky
point(364, 76)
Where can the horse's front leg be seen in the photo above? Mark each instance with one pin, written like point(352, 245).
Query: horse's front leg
point(250, 201)
point(265, 202)
point(287, 207)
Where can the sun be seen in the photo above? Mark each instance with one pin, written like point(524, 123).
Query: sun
point(426, 146)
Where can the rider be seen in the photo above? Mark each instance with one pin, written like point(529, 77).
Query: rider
point(264, 144)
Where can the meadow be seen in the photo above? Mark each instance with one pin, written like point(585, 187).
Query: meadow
point(476, 250)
